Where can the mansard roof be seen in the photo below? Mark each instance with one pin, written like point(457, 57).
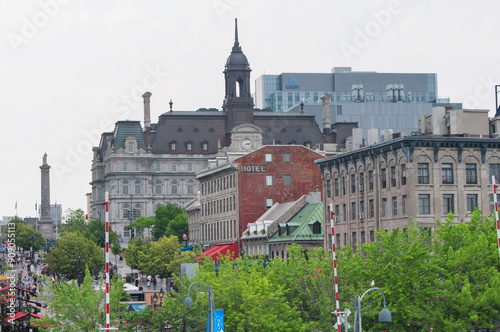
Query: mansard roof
point(124, 129)
point(196, 127)
point(300, 225)
point(288, 128)
point(210, 127)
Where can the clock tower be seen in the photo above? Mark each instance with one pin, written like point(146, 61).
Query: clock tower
point(238, 102)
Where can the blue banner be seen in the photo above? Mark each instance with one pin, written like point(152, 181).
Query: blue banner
point(218, 320)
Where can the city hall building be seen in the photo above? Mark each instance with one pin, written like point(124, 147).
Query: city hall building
point(144, 165)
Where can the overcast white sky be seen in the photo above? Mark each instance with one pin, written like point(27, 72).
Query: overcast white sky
point(71, 68)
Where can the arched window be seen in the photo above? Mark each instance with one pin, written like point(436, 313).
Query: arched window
point(137, 211)
point(126, 211)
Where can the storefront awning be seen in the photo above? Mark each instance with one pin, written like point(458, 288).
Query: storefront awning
point(223, 249)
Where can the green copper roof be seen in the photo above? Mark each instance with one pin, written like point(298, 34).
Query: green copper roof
point(124, 129)
point(300, 226)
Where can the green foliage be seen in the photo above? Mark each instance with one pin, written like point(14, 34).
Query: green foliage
point(27, 237)
point(93, 230)
point(164, 214)
point(74, 221)
point(164, 258)
point(170, 314)
point(82, 308)
point(468, 295)
point(131, 254)
point(178, 226)
point(141, 223)
point(253, 299)
point(63, 258)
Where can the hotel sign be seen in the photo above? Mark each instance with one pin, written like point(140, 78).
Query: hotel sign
point(253, 168)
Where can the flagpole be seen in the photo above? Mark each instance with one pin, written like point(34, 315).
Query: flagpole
point(106, 238)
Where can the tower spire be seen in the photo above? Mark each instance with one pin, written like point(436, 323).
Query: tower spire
point(236, 42)
point(236, 46)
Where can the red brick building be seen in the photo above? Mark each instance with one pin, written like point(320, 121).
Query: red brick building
point(238, 193)
point(274, 174)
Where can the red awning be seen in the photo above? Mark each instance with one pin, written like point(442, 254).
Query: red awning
point(17, 316)
point(5, 288)
point(37, 316)
point(222, 248)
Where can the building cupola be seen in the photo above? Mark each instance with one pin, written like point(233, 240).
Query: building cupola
point(238, 101)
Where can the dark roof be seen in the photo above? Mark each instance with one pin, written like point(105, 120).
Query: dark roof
point(288, 128)
point(123, 129)
point(210, 127)
point(193, 127)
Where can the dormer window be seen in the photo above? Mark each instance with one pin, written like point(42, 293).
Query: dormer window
point(130, 147)
point(189, 146)
point(204, 146)
point(173, 145)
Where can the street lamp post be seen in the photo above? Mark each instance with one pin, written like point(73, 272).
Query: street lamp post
point(162, 294)
point(189, 301)
point(383, 317)
point(32, 239)
point(154, 299)
point(185, 238)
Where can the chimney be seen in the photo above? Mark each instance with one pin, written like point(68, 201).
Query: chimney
point(326, 111)
point(147, 111)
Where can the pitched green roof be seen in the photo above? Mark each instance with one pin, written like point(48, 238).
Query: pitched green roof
point(300, 226)
point(124, 129)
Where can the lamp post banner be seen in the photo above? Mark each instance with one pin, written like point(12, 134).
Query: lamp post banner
point(218, 320)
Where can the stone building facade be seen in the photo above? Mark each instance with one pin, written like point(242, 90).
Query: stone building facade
point(239, 192)
point(144, 166)
point(419, 178)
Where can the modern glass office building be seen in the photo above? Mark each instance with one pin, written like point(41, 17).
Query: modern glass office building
point(281, 92)
point(373, 100)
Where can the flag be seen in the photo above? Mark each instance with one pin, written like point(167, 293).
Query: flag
point(36, 205)
point(218, 320)
point(16, 205)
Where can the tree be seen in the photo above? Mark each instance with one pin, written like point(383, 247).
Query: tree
point(95, 231)
point(468, 292)
point(116, 250)
point(168, 317)
point(252, 299)
point(27, 237)
point(401, 265)
point(178, 226)
point(163, 215)
point(131, 254)
point(70, 248)
point(142, 223)
point(82, 308)
point(74, 221)
point(163, 258)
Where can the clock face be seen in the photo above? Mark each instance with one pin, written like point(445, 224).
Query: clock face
point(246, 144)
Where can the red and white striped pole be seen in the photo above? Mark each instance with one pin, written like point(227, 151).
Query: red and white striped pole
point(335, 268)
point(496, 211)
point(106, 202)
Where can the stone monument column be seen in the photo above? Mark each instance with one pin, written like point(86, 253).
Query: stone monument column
point(46, 224)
